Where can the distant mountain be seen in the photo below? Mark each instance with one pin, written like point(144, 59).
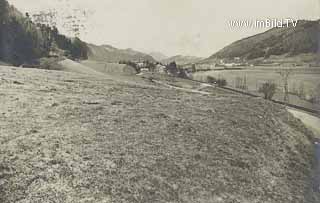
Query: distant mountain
point(111, 54)
point(182, 60)
point(304, 39)
point(158, 56)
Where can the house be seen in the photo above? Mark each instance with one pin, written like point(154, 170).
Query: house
point(160, 68)
point(144, 70)
point(140, 65)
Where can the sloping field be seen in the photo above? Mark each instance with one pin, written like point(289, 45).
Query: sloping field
point(110, 68)
point(74, 67)
point(67, 137)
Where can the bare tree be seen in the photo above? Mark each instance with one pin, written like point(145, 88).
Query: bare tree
point(301, 92)
point(241, 82)
point(285, 75)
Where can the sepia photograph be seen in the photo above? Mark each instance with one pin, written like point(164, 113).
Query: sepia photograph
point(159, 101)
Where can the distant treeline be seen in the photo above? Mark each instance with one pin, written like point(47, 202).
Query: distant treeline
point(22, 41)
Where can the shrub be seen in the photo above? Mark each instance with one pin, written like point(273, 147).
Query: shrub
point(211, 80)
point(182, 73)
point(268, 89)
point(222, 82)
point(176, 71)
point(172, 69)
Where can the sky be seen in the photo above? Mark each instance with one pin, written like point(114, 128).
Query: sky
point(172, 27)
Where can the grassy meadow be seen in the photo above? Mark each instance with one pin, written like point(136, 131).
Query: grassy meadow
point(303, 81)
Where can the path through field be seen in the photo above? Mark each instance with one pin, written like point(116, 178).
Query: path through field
point(312, 122)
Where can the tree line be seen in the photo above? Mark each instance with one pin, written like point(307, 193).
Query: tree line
point(23, 41)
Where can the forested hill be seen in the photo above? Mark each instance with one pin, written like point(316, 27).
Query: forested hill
point(287, 42)
point(22, 41)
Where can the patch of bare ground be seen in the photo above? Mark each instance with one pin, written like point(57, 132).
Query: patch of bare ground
point(67, 137)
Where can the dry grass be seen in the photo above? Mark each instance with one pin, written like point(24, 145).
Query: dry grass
point(110, 68)
point(67, 137)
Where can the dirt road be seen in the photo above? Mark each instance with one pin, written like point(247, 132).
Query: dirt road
point(312, 122)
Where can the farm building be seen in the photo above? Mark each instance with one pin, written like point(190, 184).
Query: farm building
point(160, 68)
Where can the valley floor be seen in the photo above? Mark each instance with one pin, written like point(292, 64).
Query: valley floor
point(69, 137)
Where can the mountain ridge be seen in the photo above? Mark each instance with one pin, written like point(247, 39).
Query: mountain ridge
point(288, 42)
point(158, 55)
point(182, 59)
point(110, 53)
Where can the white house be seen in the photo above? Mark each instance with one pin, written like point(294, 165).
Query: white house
point(160, 68)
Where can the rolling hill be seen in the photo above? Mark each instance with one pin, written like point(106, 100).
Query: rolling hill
point(110, 68)
point(78, 136)
point(286, 42)
point(111, 54)
point(158, 56)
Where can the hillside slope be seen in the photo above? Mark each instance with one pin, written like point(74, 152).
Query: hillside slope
point(158, 56)
point(108, 53)
point(68, 137)
point(25, 42)
point(286, 42)
point(110, 68)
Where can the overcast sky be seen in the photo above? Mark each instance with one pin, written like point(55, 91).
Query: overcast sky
point(188, 27)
